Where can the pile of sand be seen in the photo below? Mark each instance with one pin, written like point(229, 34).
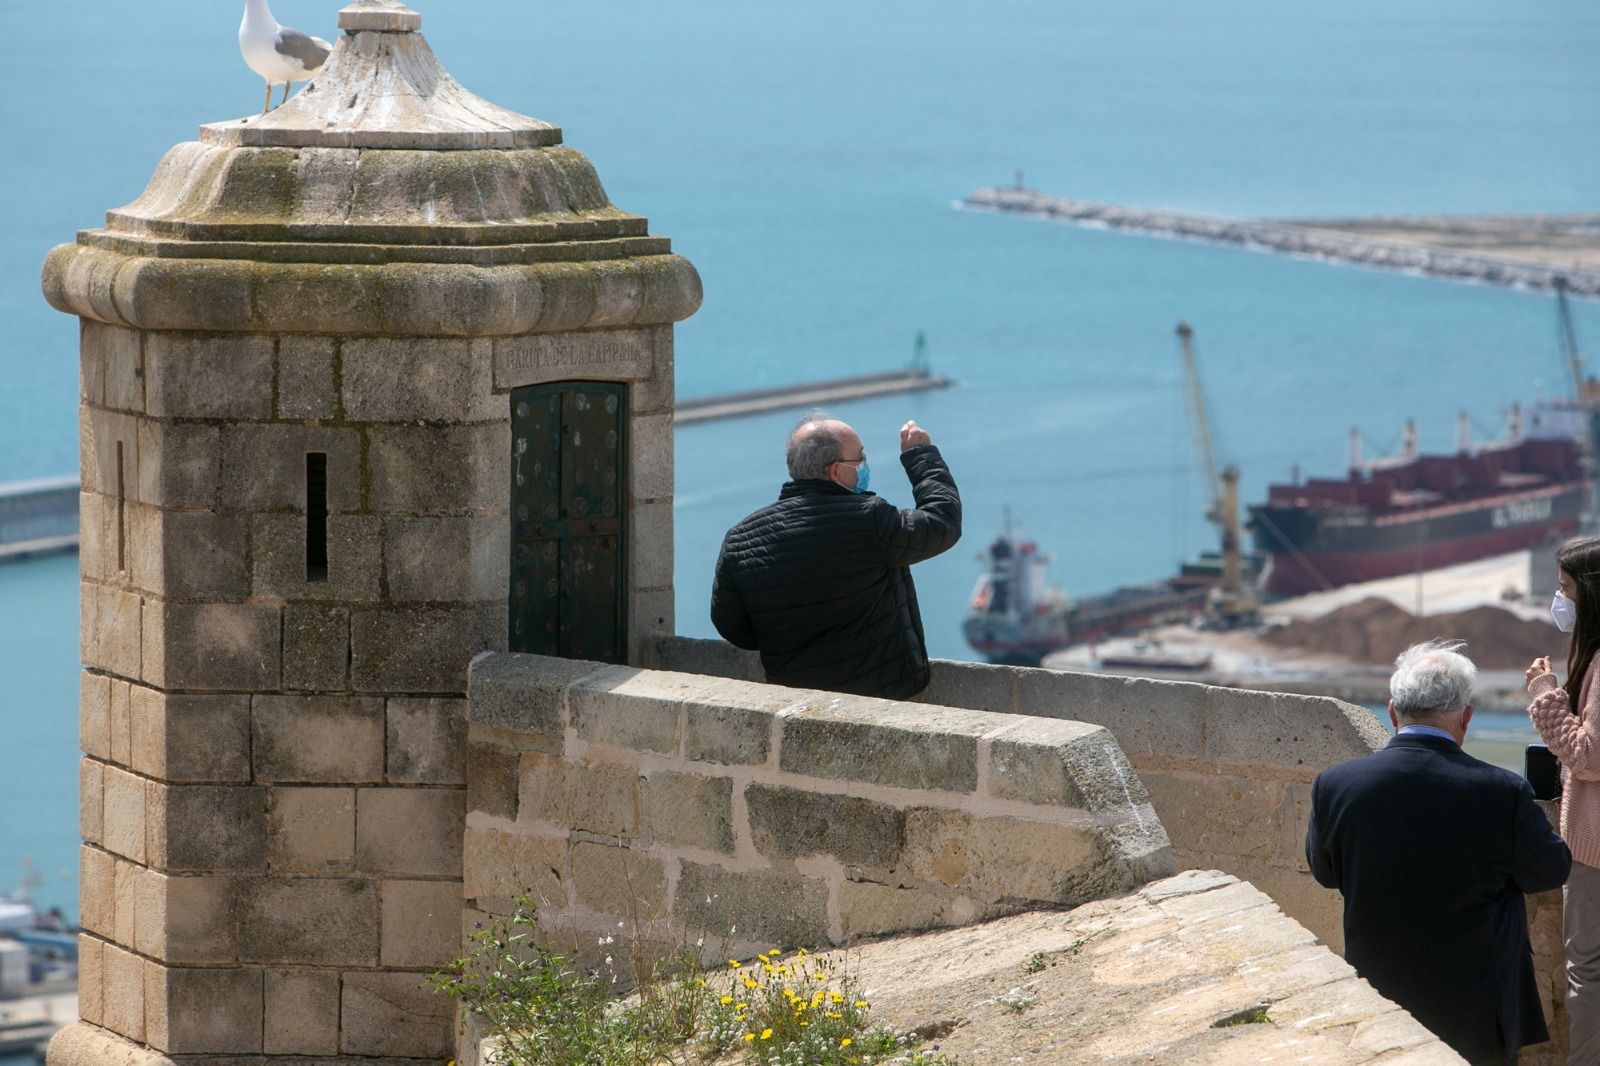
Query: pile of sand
point(1374, 631)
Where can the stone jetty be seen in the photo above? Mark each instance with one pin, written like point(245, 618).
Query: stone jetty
point(1443, 248)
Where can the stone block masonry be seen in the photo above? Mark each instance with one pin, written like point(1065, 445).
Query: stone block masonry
point(1228, 772)
point(754, 816)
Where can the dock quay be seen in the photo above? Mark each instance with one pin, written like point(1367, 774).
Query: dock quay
point(1519, 583)
point(810, 394)
point(38, 517)
point(1525, 252)
point(27, 1023)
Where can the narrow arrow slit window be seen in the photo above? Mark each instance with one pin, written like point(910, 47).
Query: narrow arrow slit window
point(316, 516)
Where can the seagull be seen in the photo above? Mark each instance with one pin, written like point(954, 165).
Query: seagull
point(276, 52)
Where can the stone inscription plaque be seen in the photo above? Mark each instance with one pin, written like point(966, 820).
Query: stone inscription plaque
point(617, 355)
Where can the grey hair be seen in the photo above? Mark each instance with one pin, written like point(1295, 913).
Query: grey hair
point(1432, 678)
point(810, 454)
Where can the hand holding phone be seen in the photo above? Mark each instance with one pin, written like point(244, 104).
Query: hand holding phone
point(1543, 772)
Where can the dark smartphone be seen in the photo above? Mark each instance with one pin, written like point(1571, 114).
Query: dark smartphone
point(1539, 766)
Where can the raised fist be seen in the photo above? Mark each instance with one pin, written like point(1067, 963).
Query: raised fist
point(913, 436)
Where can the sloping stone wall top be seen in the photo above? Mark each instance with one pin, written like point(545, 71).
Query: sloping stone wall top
point(1197, 968)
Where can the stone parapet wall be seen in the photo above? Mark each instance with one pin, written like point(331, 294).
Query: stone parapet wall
point(688, 806)
point(1229, 772)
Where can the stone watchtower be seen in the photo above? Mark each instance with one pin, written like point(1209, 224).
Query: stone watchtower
point(370, 385)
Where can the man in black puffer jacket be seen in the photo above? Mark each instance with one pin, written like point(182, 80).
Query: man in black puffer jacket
point(820, 581)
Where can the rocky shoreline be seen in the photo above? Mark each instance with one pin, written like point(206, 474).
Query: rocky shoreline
point(1298, 239)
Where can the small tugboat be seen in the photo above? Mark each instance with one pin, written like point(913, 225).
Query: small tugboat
point(1016, 618)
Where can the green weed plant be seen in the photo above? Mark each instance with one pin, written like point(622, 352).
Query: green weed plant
point(545, 1008)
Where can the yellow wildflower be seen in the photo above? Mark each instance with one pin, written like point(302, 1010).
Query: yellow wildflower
point(749, 1036)
point(774, 953)
point(741, 1006)
point(836, 997)
point(766, 1034)
point(725, 1000)
point(846, 1042)
point(861, 1003)
point(734, 963)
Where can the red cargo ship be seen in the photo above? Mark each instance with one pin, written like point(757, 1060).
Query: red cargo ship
point(1420, 512)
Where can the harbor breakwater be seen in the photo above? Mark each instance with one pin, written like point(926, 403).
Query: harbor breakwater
point(1297, 239)
point(811, 394)
point(38, 517)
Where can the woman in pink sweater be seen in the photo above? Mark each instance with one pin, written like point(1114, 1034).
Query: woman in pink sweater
point(1568, 718)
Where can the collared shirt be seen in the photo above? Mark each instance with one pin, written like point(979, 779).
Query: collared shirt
point(1425, 730)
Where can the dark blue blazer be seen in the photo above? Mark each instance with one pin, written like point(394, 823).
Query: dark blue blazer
point(1433, 851)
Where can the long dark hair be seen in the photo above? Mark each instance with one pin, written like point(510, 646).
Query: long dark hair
point(1580, 559)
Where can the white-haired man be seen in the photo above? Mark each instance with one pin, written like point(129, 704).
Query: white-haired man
point(1433, 851)
point(820, 581)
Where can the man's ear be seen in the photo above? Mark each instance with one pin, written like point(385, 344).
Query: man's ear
point(1394, 719)
point(1466, 717)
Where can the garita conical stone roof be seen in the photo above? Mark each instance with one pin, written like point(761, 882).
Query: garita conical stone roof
point(383, 198)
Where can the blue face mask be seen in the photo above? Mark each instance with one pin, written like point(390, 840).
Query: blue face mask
point(863, 477)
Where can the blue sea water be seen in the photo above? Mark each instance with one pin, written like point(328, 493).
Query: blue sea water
point(806, 157)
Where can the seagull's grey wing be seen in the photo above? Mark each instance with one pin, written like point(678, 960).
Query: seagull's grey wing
point(296, 45)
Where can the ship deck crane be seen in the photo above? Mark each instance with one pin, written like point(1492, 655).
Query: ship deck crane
point(1230, 603)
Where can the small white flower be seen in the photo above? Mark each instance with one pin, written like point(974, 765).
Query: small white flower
point(735, 929)
point(700, 943)
point(608, 960)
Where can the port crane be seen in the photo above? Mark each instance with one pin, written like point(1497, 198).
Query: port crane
point(1230, 603)
point(1587, 408)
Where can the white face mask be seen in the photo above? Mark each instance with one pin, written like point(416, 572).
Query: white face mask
point(1564, 612)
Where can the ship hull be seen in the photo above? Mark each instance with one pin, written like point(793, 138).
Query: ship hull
point(1311, 550)
point(1122, 613)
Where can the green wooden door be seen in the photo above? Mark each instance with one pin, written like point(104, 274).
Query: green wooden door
point(568, 521)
